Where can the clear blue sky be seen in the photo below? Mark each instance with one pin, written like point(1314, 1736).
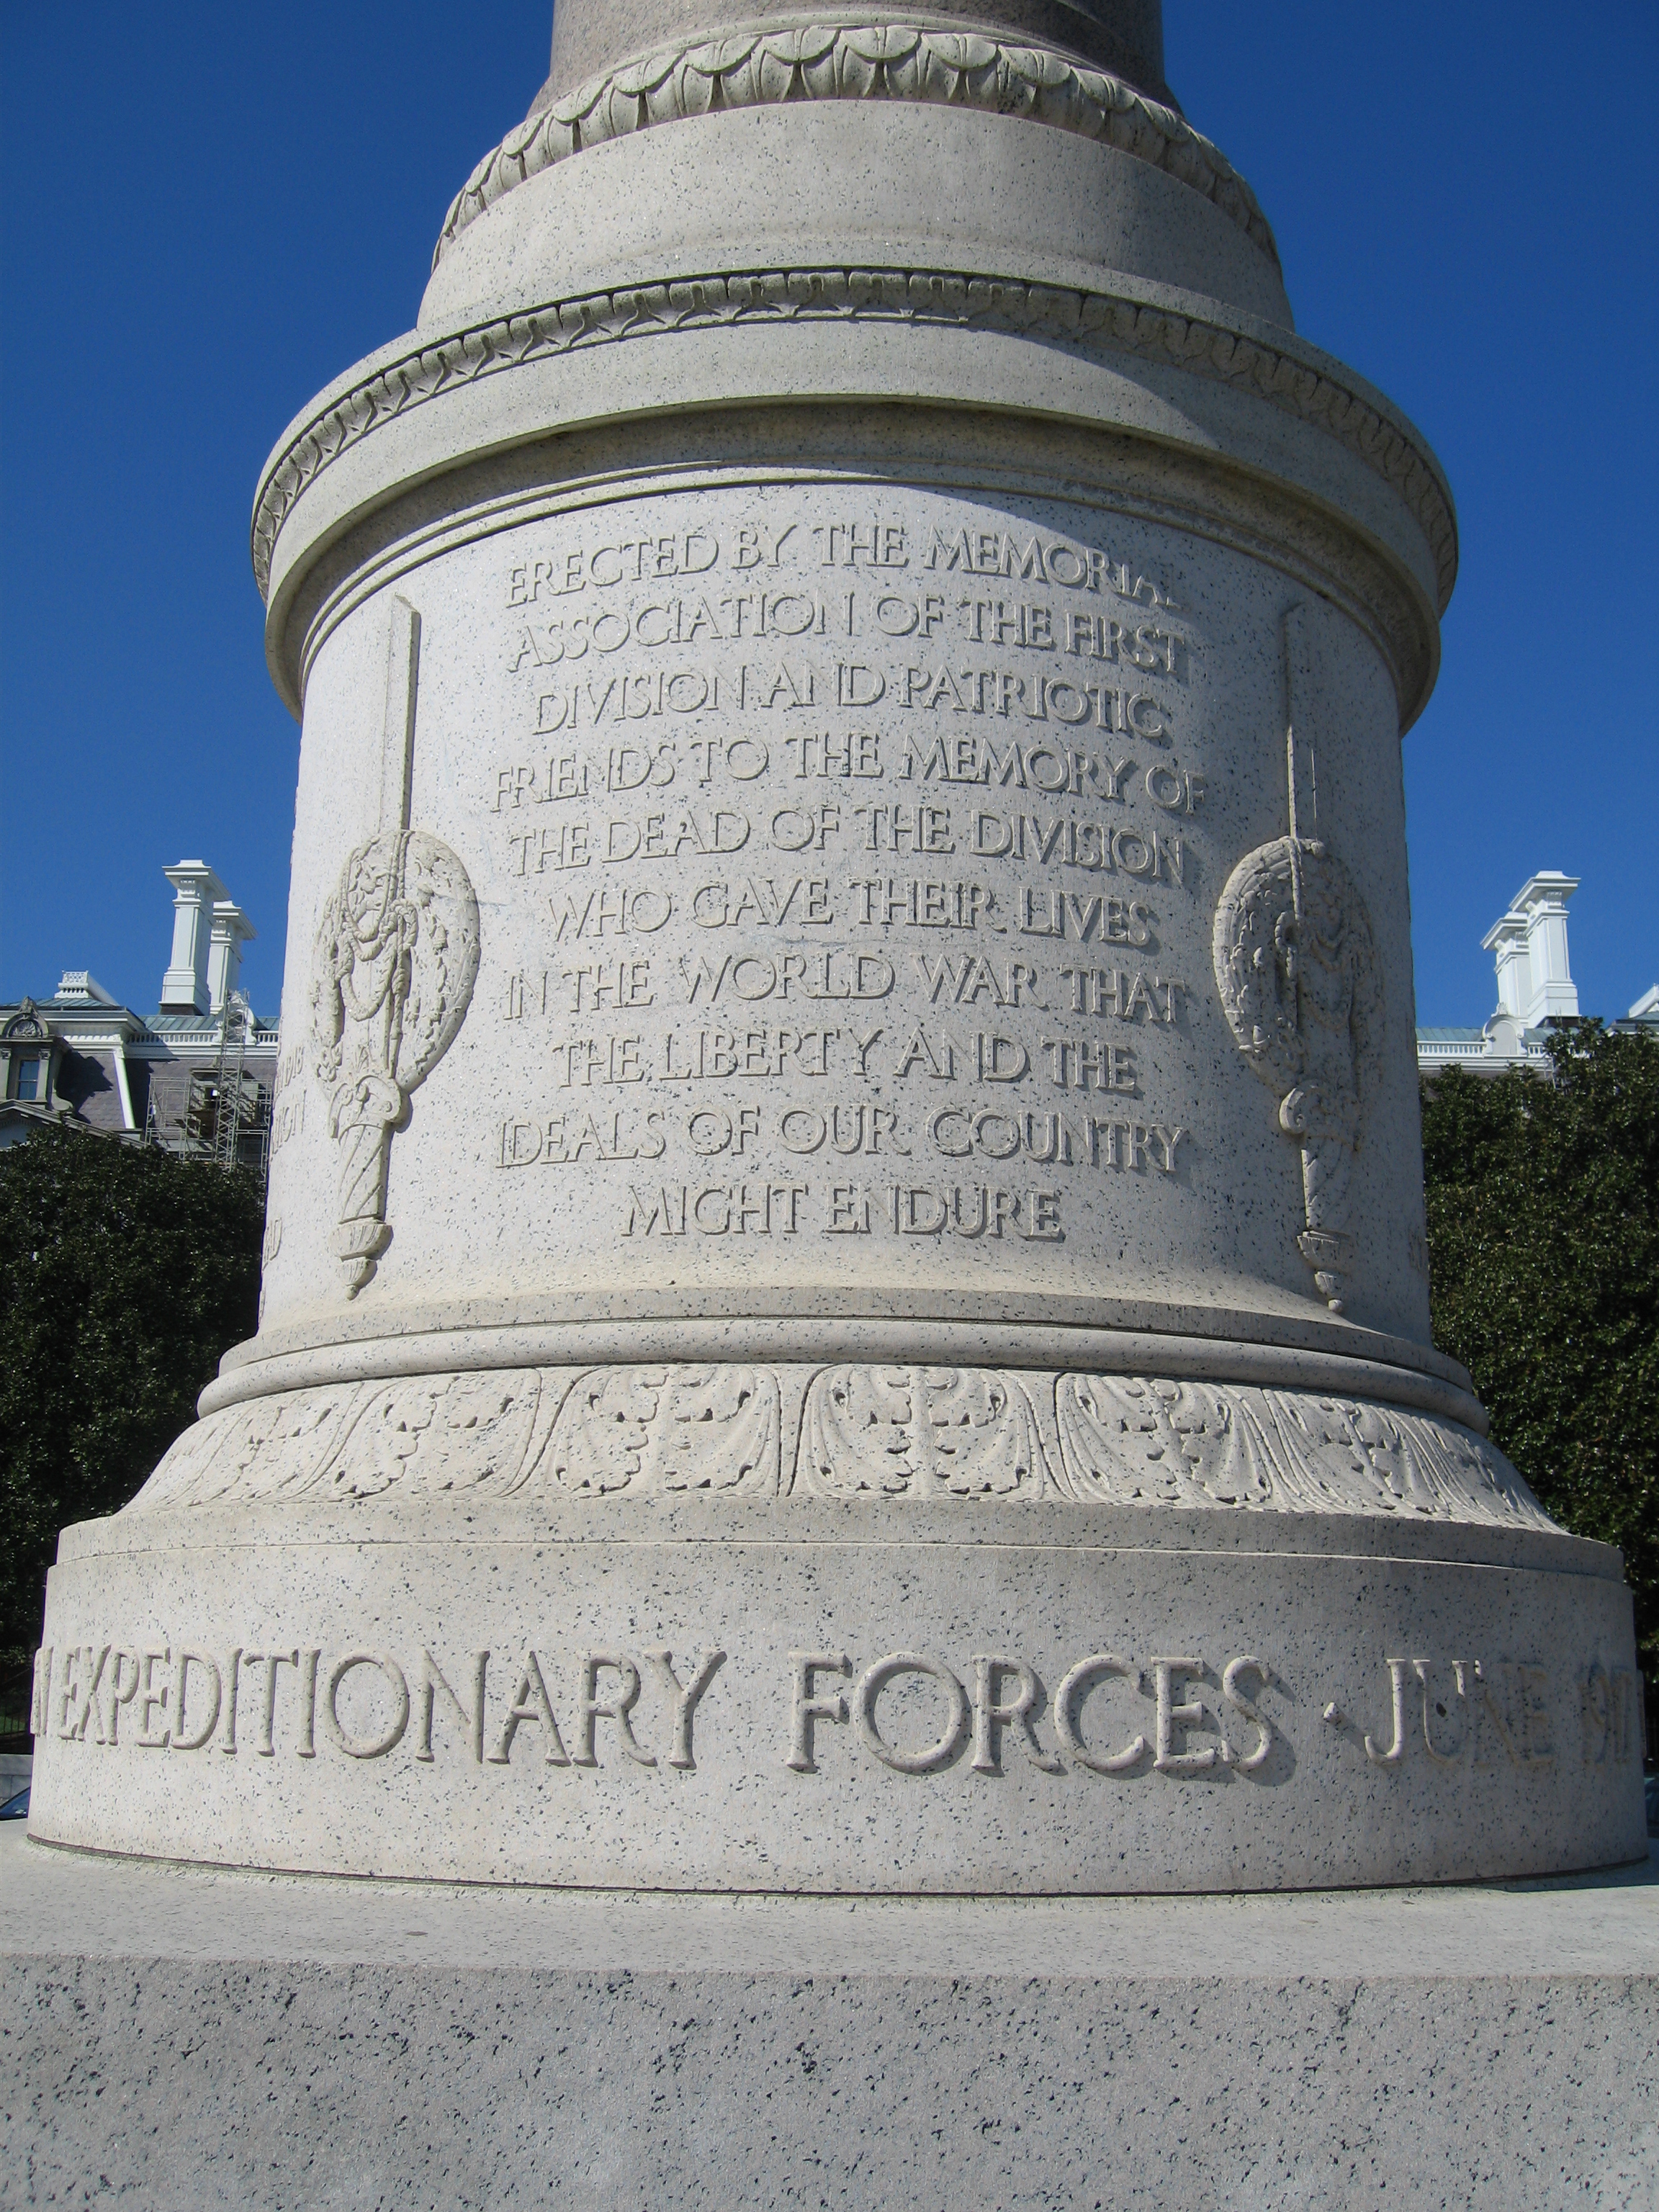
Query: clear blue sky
point(208, 211)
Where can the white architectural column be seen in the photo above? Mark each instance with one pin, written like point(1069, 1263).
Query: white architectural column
point(231, 930)
point(1542, 899)
point(1507, 939)
point(1534, 979)
point(196, 890)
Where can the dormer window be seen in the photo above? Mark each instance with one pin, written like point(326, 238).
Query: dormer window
point(27, 1052)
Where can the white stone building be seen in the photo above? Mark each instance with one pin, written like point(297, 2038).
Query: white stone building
point(196, 1076)
point(1528, 942)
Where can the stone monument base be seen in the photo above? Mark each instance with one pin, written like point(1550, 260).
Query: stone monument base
point(898, 1695)
point(191, 2037)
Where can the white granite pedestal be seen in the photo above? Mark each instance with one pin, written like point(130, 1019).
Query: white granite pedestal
point(844, 1305)
point(844, 1418)
point(1015, 1696)
point(177, 2037)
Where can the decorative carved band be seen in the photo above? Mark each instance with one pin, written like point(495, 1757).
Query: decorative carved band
point(888, 61)
point(919, 1433)
point(1289, 376)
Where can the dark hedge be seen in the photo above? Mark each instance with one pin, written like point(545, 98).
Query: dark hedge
point(124, 1275)
point(1543, 1206)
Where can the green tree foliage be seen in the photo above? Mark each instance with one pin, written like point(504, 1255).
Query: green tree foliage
point(1543, 1206)
point(123, 1276)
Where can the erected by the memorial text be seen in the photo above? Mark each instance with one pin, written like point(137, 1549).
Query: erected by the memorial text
point(842, 801)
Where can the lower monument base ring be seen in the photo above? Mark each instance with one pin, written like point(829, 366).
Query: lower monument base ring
point(860, 1695)
point(1316, 1356)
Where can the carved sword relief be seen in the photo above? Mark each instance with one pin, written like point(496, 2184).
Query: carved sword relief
point(395, 959)
point(1296, 967)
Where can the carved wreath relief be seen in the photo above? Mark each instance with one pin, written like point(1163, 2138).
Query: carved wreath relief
point(396, 954)
point(392, 970)
point(1297, 969)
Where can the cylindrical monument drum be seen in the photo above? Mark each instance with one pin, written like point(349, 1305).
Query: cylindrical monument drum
point(845, 1300)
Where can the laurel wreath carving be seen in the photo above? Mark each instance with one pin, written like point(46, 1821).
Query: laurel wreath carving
point(889, 61)
point(1288, 375)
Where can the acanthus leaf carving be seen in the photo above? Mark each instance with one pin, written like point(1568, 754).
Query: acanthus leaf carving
point(901, 1435)
point(655, 1430)
point(919, 1432)
point(1159, 1442)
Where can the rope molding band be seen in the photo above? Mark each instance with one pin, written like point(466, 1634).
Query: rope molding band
point(1288, 380)
point(888, 61)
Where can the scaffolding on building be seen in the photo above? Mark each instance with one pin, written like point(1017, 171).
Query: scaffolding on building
point(226, 1116)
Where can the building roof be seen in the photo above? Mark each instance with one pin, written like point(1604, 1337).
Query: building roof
point(207, 1026)
point(74, 1017)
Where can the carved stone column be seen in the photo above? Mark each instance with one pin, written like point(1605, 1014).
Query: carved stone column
point(846, 1302)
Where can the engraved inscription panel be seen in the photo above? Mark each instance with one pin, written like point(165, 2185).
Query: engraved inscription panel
point(848, 861)
point(851, 850)
point(915, 1712)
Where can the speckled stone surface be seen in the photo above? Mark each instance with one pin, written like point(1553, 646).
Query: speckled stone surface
point(926, 1022)
point(839, 1695)
point(845, 1302)
point(173, 2039)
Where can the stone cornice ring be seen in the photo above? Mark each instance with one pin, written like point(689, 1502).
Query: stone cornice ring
point(1290, 374)
point(888, 61)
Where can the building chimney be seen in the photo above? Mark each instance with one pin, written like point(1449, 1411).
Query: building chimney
point(1535, 980)
point(196, 890)
point(1507, 939)
point(1542, 899)
point(79, 988)
point(231, 931)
